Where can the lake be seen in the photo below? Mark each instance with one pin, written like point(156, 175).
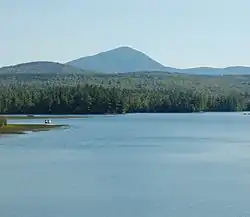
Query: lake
point(136, 165)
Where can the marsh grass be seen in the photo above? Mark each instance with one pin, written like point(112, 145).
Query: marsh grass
point(23, 128)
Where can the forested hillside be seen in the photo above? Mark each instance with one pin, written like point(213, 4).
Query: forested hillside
point(41, 67)
point(122, 93)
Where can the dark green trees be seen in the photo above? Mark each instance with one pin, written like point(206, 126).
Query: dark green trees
point(93, 99)
point(121, 93)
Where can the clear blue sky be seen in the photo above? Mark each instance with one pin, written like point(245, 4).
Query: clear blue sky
point(179, 33)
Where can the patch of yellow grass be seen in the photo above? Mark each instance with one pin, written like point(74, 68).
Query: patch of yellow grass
point(22, 128)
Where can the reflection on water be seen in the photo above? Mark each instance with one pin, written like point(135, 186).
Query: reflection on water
point(139, 165)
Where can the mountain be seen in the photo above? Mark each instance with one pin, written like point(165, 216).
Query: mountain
point(126, 59)
point(40, 67)
point(122, 59)
point(118, 60)
point(233, 70)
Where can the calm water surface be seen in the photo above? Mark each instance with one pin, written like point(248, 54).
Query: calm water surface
point(138, 165)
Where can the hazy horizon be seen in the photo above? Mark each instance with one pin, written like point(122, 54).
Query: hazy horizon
point(180, 34)
point(132, 48)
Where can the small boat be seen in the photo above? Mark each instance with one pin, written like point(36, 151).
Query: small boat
point(47, 121)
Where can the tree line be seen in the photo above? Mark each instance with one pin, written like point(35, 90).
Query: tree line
point(82, 98)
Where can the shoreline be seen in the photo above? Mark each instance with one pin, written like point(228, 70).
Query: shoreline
point(7, 116)
point(24, 128)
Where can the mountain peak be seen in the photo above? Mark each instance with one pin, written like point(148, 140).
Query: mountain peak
point(128, 59)
point(120, 59)
point(122, 48)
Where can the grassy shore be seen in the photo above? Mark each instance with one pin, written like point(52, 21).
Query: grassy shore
point(42, 117)
point(23, 128)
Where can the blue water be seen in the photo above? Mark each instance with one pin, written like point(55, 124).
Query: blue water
point(138, 165)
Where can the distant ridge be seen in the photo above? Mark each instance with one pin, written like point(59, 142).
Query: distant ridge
point(126, 59)
point(119, 60)
point(232, 70)
point(40, 67)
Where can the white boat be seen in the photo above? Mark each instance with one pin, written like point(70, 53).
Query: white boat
point(47, 121)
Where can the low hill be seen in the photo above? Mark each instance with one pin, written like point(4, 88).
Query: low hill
point(40, 67)
point(233, 70)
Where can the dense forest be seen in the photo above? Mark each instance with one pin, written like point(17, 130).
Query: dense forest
point(121, 93)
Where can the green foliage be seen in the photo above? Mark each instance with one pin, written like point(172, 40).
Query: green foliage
point(122, 93)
